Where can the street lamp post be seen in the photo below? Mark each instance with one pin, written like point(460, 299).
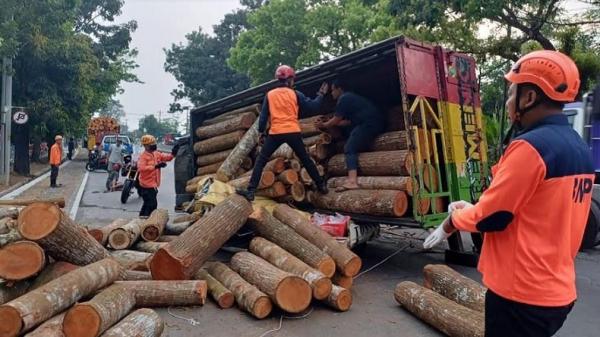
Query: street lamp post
point(6, 109)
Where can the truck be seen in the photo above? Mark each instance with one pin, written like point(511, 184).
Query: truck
point(437, 92)
point(105, 130)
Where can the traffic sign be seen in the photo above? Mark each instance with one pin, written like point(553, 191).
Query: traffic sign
point(20, 117)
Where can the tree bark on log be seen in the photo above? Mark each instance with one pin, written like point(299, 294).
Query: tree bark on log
point(305, 177)
point(178, 227)
point(167, 293)
point(50, 328)
point(383, 163)
point(312, 140)
point(9, 212)
point(218, 143)
point(140, 323)
point(276, 165)
point(12, 236)
point(288, 177)
point(343, 280)
point(61, 238)
point(346, 261)
point(149, 246)
point(340, 298)
point(285, 237)
point(219, 293)
point(405, 184)
point(35, 307)
point(17, 289)
point(212, 158)
point(154, 226)
point(91, 318)
point(452, 285)
point(374, 202)
point(451, 318)
point(182, 258)
point(241, 122)
point(294, 164)
point(241, 151)
point(321, 151)
point(275, 191)
point(390, 141)
point(291, 293)
point(59, 201)
point(21, 260)
point(131, 259)
point(126, 235)
point(296, 191)
point(101, 234)
point(208, 169)
point(254, 108)
point(247, 296)
point(307, 125)
point(277, 256)
point(267, 180)
point(284, 151)
point(193, 217)
point(135, 275)
point(167, 238)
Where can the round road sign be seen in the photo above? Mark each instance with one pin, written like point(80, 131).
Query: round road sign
point(20, 117)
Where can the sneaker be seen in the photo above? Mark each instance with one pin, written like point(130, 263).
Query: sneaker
point(249, 195)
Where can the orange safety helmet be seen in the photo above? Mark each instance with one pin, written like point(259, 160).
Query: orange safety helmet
point(551, 71)
point(284, 72)
point(148, 140)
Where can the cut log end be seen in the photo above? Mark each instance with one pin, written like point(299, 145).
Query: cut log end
point(400, 204)
point(321, 288)
point(327, 267)
point(11, 321)
point(151, 233)
point(293, 294)
point(353, 266)
point(97, 234)
point(119, 239)
point(38, 220)
point(226, 300)
point(340, 299)
point(82, 320)
point(163, 266)
point(20, 260)
point(262, 307)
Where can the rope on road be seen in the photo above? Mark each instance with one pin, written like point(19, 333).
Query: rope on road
point(286, 317)
point(190, 321)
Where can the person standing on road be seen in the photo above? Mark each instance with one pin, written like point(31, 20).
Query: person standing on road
point(281, 108)
point(535, 211)
point(56, 151)
point(149, 165)
point(115, 161)
point(71, 148)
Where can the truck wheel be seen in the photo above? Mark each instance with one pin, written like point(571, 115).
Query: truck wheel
point(126, 192)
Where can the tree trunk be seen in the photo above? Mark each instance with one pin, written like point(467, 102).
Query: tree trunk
point(285, 237)
point(277, 256)
point(193, 217)
point(373, 202)
point(342, 280)
point(154, 226)
point(383, 163)
point(340, 298)
point(221, 295)
point(33, 308)
point(346, 261)
point(284, 151)
point(241, 122)
point(240, 152)
point(9, 212)
point(59, 201)
point(255, 108)
point(423, 206)
point(291, 293)
point(93, 317)
point(21, 260)
point(452, 285)
point(60, 237)
point(125, 236)
point(405, 184)
point(178, 228)
point(101, 234)
point(451, 318)
point(247, 296)
point(182, 258)
point(167, 293)
point(218, 143)
point(390, 141)
point(15, 290)
point(211, 158)
point(21, 141)
point(50, 328)
point(267, 180)
point(140, 323)
point(288, 177)
point(275, 191)
point(149, 247)
point(131, 259)
point(208, 169)
point(297, 191)
point(134, 275)
point(294, 164)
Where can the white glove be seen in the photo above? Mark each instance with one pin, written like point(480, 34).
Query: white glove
point(458, 205)
point(437, 236)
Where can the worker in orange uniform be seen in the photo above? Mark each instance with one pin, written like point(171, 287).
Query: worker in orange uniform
point(149, 165)
point(55, 160)
point(534, 212)
point(281, 107)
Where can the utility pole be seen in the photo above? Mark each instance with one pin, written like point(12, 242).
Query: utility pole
point(6, 109)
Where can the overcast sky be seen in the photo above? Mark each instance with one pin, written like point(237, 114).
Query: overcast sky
point(161, 23)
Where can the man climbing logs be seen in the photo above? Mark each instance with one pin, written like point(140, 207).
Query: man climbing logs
point(535, 211)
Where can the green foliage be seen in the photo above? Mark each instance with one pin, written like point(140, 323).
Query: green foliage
point(114, 109)
point(150, 125)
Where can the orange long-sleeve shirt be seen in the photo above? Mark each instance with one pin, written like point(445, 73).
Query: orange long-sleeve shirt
point(55, 154)
point(149, 174)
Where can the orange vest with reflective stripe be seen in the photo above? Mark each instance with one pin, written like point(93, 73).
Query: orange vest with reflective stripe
point(55, 154)
point(283, 111)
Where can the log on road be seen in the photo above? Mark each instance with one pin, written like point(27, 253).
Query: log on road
point(132, 259)
point(178, 227)
point(50, 328)
point(101, 234)
point(149, 246)
point(451, 284)
point(154, 226)
point(218, 143)
point(399, 183)
point(340, 298)
point(219, 293)
point(140, 323)
point(342, 280)
point(346, 261)
point(60, 237)
point(167, 293)
point(383, 163)
point(126, 235)
point(21, 260)
point(247, 296)
point(182, 258)
point(59, 201)
point(241, 122)
point(390, 203)
point(240, 152)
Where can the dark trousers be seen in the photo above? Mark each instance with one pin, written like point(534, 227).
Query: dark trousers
point(53, 174)
point(359, 140)
point(294, 140)
point(505, 318)
point(150, 202)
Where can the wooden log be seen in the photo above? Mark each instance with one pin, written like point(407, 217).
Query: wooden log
point(277, 256)
point(273, 230)
point(149, 246)
point(449, 317)
point(373, 202)
point(241, 122)
point(305, 177)
point(59, 201)
point(342, 280)
point(218, 143)
point(12, 236)
point(182, 258)
point(35, 307)
point(136, 275)
point(267, 180)
point(95, 316)
point(131, 259)
point(167, 238)
point(167, 293)
point(405, 184)
point(325, 138)
point(101, 234)
point(208, 169)
point(255, 108)
point(140, 323)
point(154, 226)
point(187, 218)
point(21, 260)
point(307, 126)
point(219, 293)
point(452, 285)
point(275, 191)
point(340, 298)
point(7, 224)
point(383, 163)
point(276, 165)
point(240, 152)
point(346, 261)
point(294, 164)
point(247, 296)
point(288, 177)
point(297, 191)
point(423, 204)
point(390, 141)
point(126, 235)
point(52, 272)
point(9, 212)
point(312, 140)
point(9, 292)
point(178, 227)
point(321, 151)
point(60, 237)
point(284, 151)
point(212, 158)
point(50, 328)
point(291, 293)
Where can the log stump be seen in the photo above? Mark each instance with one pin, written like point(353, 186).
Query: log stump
point(340, 298)
point(452, 285)
point(288, 177)
point(275, 191)
point(21, 260)
point(126, 235)
point(101, 234)
point(343, 280)
point(154, 226)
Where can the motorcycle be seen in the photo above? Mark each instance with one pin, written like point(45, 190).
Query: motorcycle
point(96, 162)
point(130, 172)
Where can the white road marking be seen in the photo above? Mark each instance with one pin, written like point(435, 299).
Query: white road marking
point(77, 201)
